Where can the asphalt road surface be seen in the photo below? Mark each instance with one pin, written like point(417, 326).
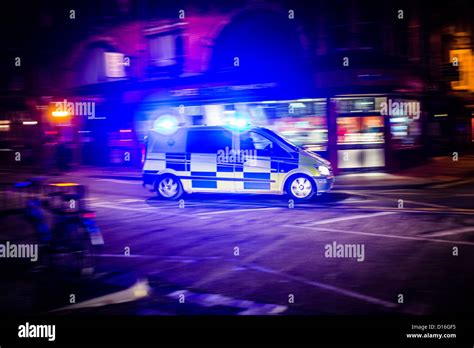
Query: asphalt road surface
point(223, 254)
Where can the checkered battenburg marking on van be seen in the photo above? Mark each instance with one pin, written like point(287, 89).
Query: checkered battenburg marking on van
point(203, 171)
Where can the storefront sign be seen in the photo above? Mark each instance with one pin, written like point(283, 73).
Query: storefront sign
point(220, 91)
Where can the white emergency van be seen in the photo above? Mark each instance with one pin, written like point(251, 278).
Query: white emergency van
point(227, 160)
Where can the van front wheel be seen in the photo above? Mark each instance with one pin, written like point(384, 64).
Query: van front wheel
point(169, 187)
point(301, 187)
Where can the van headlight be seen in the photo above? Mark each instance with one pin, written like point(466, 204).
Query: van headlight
point(323, 170)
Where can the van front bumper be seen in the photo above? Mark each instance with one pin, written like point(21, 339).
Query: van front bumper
point(324, 184)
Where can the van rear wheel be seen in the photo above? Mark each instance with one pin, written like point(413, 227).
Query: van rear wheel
point(301, 187)
point(168, 187)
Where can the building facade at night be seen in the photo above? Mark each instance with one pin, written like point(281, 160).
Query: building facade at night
point(373, 87)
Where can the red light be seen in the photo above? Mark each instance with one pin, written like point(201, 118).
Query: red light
point(89, 215)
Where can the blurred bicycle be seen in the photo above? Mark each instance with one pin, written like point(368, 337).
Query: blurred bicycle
point(67, 232)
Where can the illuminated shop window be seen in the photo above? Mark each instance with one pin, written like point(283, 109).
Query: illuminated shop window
point(360, 130)
point(405, 124)
point(304, 121)
point(406, 131)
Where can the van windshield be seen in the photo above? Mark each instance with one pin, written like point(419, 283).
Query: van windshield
point(281, 138)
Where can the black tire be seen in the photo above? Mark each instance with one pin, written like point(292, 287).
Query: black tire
point(300, 187)
point(168, 186)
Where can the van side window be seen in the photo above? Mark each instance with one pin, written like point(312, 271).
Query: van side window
point(254, 141)
point(208, 141)
point(265, 147)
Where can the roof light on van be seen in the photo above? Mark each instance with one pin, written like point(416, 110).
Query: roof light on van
point(238, 122)
point(165, 124)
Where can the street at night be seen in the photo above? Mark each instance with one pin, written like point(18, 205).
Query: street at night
point(275, 171)
point(188, 247)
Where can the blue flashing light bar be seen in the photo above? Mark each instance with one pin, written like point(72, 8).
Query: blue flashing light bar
point(166, 124)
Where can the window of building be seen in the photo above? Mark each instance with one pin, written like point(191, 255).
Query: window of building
point(92, 69)
point(339, 24)
point(360, 130)
point(165, 48)
point(406, 131)
point(162, 50)
point(368, 28)
point(401, 38)
point(100, 63)
point(114, 64)
point(465, 61)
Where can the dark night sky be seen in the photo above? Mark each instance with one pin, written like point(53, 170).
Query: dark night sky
point(22, 19)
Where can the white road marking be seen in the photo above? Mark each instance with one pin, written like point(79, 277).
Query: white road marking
point(346, 218)
point(142, 210)
point(130, 182)
point(349, 200)
point(210, 300)
point(417, 210)
point(245, 265)
point(396, 200)
point(421, 239)
point(340, 291)
point(139, 290)
point(174, 258)
point(456, 183)
point(136, 256)
point(451, 232)
point(118, 207)
point(404, 193)
point(218, 212)
point(250, 265)
point(427, 204)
